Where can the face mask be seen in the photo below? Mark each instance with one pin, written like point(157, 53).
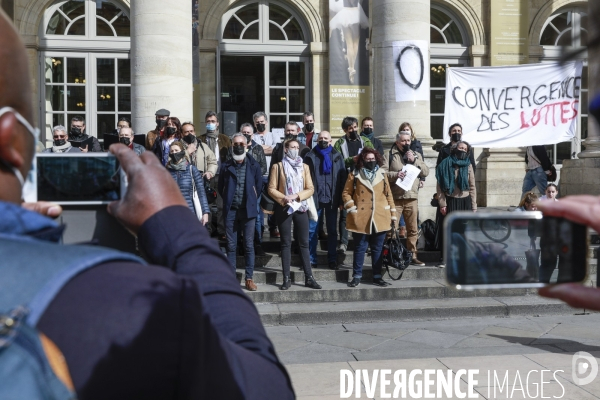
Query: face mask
point(261, 127)
point(125, 140)
point(160, 123)
point(292, 153)
point(248, 138)
point(28, 191)
point(407, 132)
point(59, 142)
point(368, 131)
point(323, 144)
point(353, 136)
point(405, 148)
point(309, 127)
point(370, 165)
point(211, 127)
point(76, 132)
point(456, 137)
point(461, 155)
point(289, 137)
point(189, 139)
point(177, 157)
point(170, 130)
point(239, 150)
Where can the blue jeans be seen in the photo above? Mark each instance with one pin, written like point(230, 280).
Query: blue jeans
point(313, 229)
point(535, 177)
point(237, 220)
point(402, 223)
point(260, 220)
point(361, 243)
point(342, 226)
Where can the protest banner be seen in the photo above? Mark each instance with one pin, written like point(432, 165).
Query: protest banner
point(526, 105)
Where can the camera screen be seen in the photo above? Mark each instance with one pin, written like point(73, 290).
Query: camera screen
point(78, 179)
point(512, 251)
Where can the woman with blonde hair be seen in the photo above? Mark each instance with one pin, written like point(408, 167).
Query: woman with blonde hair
point(528, 202)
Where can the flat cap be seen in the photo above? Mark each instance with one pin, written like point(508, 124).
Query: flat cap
point(163, 113)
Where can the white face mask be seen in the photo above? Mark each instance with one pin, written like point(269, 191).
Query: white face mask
point(408, 132)
point(26, 186)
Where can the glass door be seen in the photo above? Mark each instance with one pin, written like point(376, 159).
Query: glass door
point(286, 89)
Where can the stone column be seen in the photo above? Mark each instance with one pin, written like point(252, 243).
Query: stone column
point(582, 176)
point(394, 20)
point(161, 55)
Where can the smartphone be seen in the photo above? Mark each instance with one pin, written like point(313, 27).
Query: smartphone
point(78, 179)
point(513, 250)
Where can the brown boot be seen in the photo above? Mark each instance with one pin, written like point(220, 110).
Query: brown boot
point(402, 232)
point(250, 285)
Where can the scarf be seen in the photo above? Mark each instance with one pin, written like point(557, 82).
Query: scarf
point(370, 137)
point(178, 167)
point(294, 178)
point(370, 175)
point(62, 149)
point(326, 164)
point(212, 140)
point(444, 174)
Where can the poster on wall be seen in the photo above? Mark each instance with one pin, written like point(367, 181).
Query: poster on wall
point(526, 105)
point(411, 76)
point(349, 75)
point(509, 32)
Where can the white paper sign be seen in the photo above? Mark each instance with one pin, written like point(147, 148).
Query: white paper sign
point(526, 105)
point(411, 75)
point(412, 173)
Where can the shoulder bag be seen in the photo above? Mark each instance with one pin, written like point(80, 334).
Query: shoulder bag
point(195, 198)
point(266, 202)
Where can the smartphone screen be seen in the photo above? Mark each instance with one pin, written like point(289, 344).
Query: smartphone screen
point(81, 179)
point(524, 249)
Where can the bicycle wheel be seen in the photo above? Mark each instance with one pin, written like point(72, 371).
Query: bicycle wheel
point(496, 230)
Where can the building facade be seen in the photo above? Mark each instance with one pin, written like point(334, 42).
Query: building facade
point(251, 55)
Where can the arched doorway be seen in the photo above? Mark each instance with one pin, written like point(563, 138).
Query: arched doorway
point(263, 63)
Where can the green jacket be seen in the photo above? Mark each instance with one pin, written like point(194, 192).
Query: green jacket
point(342, 147)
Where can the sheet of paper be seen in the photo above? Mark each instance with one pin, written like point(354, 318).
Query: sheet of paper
point(412, 173)
point(293, 207)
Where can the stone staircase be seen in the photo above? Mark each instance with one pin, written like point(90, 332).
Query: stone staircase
point(422, 293)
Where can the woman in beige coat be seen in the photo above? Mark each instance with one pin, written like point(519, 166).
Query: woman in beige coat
point(368, 200)
point(290, 185)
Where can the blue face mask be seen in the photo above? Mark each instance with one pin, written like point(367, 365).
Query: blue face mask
point(27, 186)
point(211, 127)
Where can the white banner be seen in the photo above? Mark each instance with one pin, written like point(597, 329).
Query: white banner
point(411, 74)
point(526, 105)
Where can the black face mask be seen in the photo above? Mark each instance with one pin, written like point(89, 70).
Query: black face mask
point(261, 127)
point(290, 137)
point(456, 137)
point(461, 155)
point(176, 157)
point(125, 140)
point(323, 144)
point(239, 150)
point(353, 136)
point(170, 131)
point(189, 139)
point(249, 138)
point(60, 142)
point(370, 165)
point(160, 123)
point(405, 148)
point(309, 127)
point(367, 131)
point(76, 132)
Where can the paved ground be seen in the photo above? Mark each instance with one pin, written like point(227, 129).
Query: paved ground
point(315, 354)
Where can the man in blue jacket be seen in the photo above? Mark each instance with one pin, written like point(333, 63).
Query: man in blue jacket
point(240, 185)
point(329, 175)
point(180, 328)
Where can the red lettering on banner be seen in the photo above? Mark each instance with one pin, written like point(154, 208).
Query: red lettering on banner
point(564, 108)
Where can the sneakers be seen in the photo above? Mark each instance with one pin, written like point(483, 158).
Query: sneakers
point(416, 261)
point(342, 248)
point(380, 282)
point(333, 265)
point(250, 285)
point(286, 283)
point(310, 282)
point(275, 233)
point(354, 282)
point(258, 251)
point(441, 264)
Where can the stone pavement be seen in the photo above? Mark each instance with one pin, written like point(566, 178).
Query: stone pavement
point(315, 354)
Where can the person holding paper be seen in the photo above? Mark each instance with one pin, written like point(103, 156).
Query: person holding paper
point(290, 185)
point(455, 187)
point(405, 170)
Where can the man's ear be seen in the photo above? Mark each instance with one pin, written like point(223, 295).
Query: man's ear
point(11, 141)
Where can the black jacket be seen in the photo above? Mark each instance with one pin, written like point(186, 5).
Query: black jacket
point(445, 152)
point(415, 145)
point(96, 148)
point(339, 173)
point(253, 185)
point(278, 153)
point(180, 329)
point(541, 155)
point(259, 155)
point(377, 144)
